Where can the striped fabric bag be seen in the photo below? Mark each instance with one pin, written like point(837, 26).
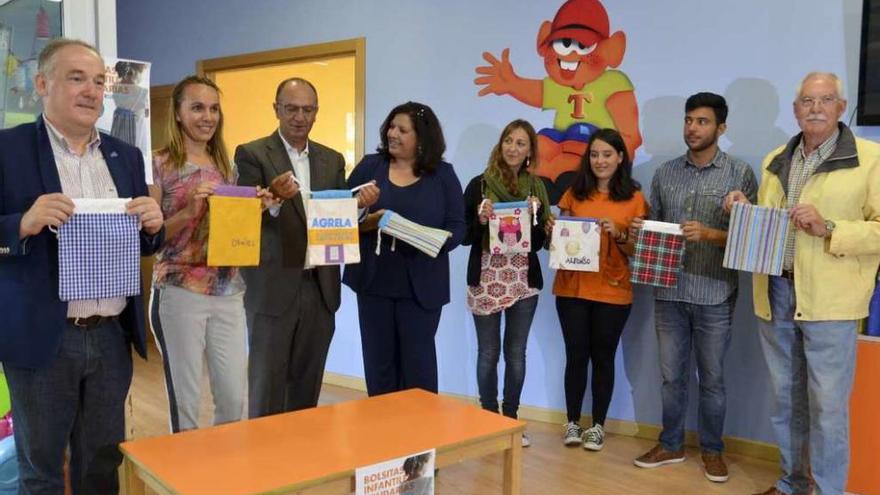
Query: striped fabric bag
point(426, 239)
point(756, 239)
point(658, 254)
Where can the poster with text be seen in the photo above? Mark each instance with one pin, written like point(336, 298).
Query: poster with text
point(126, 113)
point(410, 475)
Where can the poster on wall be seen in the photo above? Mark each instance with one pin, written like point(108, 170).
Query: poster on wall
point(126, 113)
point(409, 475)
point(26, 26)
point(581, 86)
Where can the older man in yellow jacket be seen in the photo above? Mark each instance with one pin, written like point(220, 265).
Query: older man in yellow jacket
point(830, 182)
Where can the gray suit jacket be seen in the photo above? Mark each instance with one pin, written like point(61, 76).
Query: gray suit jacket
point(273, 285)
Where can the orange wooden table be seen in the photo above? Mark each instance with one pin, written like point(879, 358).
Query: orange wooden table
point(316, 451)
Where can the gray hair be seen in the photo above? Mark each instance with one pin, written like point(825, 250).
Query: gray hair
point(821, 75)
point(46, 59)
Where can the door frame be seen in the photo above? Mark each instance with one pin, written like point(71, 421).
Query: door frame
point(305, 53)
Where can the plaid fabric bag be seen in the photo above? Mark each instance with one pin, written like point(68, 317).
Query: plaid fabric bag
point(99, 251)
point(426, 239)
point(575, 244)
point(510, 228)
point(333, 228)
point(658, 254)
point(756, 239)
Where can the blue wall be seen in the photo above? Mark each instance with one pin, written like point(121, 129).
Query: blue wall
point(752, 51)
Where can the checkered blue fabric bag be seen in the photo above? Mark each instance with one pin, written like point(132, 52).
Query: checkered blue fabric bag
point(98, 251)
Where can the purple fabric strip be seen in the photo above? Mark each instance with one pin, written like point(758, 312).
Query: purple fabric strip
point(236, 191)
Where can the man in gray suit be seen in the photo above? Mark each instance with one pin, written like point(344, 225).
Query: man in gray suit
point(290, 306)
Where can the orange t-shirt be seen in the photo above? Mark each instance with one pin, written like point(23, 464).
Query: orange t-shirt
point(611, 283)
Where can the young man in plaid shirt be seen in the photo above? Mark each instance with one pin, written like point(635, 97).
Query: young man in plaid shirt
point(696, 313)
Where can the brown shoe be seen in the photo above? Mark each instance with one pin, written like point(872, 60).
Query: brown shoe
point(770, 491)
point(658, 456)
point(714, 467)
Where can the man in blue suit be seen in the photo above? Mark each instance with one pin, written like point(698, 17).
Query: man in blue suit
point(68, 364)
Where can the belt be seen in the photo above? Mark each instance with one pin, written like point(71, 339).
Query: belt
point(90, 321)
point(789, 274)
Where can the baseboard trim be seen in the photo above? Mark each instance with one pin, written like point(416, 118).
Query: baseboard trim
point(733, 445)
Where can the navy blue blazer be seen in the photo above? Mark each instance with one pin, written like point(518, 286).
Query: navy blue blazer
point(442, 207)
point(34, 318)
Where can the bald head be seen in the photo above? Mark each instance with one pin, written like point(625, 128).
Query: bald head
point(294, 81)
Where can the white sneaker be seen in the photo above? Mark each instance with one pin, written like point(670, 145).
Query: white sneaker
point(573, 433)
point(525, 440)
point(594, 438)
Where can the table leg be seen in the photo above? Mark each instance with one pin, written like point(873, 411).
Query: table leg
point(513, 465)
point(133, 484)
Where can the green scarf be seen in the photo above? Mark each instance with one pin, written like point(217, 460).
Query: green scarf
point(528, 185)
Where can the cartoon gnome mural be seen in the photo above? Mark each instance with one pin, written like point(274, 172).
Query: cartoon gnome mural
point(582, 88)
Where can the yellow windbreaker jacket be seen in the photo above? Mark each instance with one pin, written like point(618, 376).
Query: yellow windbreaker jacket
point(833, 278)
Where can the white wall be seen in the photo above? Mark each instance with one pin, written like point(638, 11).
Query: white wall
point(93, 21)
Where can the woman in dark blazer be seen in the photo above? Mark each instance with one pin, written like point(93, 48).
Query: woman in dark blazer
point(401, 291)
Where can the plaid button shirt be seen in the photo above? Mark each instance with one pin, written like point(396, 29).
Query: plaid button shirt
point(657, 258)
point(85, 176)
point(802, 167)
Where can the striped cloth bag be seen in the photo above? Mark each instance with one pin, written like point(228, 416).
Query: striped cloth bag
point(426, 239)
point(99, 251)
point(756, 239)
point(658, 254)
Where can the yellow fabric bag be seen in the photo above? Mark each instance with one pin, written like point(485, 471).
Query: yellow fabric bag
point(234, 231)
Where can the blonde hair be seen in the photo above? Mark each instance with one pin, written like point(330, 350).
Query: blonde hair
point(175, 151)
point(497, 167)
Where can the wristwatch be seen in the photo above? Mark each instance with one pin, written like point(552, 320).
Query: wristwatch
point(829, 228)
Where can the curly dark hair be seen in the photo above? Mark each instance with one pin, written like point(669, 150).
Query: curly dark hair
point(429, 136)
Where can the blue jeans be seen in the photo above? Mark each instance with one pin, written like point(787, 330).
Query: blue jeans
point(705, 328)
point(78, 400)
point(518, 321)
point(811, 364)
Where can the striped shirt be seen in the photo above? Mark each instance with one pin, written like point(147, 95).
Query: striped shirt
point(682, 191)
point(85, 176)
point(802, 167)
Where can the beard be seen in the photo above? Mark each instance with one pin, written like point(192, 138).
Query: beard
point(702, 144)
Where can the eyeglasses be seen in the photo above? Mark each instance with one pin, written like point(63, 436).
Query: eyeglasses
point(823, 101)
point(291, 110)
